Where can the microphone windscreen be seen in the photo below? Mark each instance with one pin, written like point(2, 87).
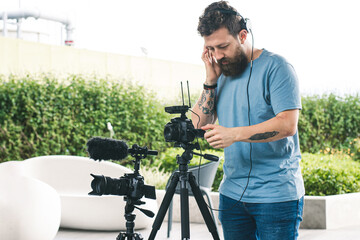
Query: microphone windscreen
point(106, 149)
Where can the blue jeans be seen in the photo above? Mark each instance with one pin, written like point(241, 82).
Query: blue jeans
point(264, 221)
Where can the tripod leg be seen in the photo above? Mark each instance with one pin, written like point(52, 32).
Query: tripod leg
point(164, 206)
point(133, 236)
point(137, 237)
point(121, 236)
point(184, 205)
point(203, 208)
point(210, 204)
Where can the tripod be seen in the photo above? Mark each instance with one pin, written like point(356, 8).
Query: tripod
point(133, 197)
point(129, 234)
point(183, 176)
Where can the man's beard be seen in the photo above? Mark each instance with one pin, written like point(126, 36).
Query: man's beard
point(234, 66)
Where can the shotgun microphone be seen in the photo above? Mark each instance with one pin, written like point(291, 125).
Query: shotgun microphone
point(111, 149)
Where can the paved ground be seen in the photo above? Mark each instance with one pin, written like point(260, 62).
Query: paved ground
point(348, 233)
point(200, 232)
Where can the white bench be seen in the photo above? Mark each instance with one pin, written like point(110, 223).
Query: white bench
point(70, 177)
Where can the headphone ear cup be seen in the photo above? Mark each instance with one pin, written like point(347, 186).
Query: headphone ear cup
point(248, 25)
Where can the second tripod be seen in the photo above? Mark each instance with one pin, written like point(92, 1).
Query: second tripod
point(183, 176)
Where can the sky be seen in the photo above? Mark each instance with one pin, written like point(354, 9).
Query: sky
point(318, 37)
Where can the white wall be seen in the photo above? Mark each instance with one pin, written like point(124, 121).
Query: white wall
point(164, 77)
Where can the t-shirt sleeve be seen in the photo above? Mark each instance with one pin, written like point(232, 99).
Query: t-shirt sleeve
point(284, 88)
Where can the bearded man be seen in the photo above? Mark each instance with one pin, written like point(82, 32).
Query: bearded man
point(254, 94)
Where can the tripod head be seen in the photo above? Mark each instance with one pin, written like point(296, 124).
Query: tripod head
point(187, 155)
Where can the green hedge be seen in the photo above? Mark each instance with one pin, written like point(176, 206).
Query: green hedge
point(326, 174)
point(43, 115)
point(329, 121)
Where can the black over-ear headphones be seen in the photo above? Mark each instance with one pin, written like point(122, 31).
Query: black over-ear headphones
point(245, 23)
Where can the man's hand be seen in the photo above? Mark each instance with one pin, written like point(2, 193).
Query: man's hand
point(219, 136)
point(213, 70)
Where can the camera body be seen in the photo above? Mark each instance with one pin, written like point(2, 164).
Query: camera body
point(130, 185)
point(180, 129)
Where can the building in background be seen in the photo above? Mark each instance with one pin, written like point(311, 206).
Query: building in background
point(38, 26)
point(20, 57)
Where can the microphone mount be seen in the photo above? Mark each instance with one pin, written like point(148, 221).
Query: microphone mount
point(139, 153)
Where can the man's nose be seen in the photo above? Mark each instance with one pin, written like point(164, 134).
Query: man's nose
point(218, 54)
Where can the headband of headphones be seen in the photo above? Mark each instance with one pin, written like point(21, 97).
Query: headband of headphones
point(243, 22)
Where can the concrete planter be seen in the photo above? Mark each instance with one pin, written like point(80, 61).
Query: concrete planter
point(331, 212)
point(320, 212)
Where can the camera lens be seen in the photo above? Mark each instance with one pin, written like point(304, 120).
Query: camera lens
point(98, 185)
point(102, 185)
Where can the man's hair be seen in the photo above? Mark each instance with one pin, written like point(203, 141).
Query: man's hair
point(217, 15)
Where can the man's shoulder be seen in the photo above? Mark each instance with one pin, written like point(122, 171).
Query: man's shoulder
point(273, 57)
point(275, 63)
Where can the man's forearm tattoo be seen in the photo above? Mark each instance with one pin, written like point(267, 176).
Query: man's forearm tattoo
point(207, 102)
point(202, 99)
point(263, 136)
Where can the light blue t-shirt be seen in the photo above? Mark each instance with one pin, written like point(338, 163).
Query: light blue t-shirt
point(276, 174)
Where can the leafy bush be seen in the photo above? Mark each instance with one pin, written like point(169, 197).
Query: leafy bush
point(354, 149)
point(326, 174)
point(323, 174)
point(44, 115)
point(329, 121)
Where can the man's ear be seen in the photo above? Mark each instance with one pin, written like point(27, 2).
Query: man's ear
point(242, 36)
